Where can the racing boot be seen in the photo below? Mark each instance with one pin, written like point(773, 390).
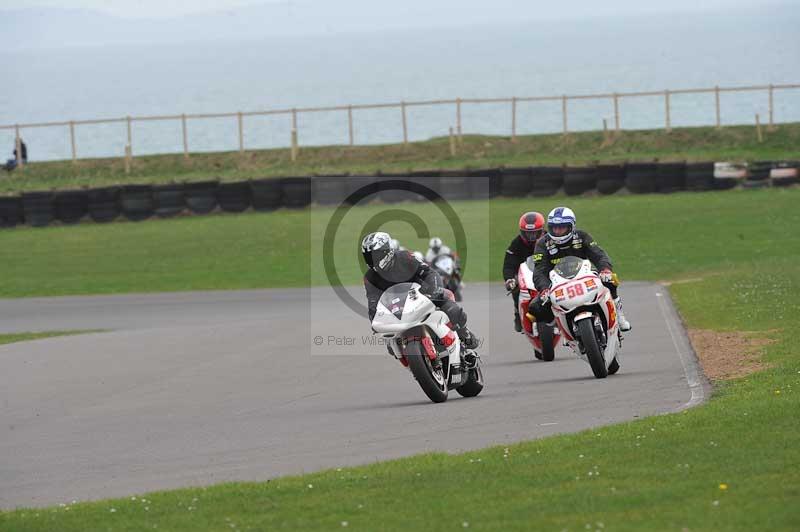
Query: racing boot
point(517, 322)
point(624, 324)
point(468, 345)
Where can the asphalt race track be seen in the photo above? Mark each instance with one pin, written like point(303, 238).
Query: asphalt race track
point(191, 389)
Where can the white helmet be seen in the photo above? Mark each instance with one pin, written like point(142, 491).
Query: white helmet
point(435, 244)
point(561, 224)
point(419, 256)
point(395, 244)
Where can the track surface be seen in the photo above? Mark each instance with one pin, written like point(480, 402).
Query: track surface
point(196, 388)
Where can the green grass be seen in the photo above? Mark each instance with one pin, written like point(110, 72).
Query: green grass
point(25, 336)
point(649, 237)
point(660, 473)
point(701, 143)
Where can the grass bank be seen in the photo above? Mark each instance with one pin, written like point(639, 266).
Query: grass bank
point(477, 151)
point(649, 237)
point(727, 465)
point(25, 336)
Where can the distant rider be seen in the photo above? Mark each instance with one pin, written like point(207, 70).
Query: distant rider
point(531, 228)
point(563, 240)
point(435, 248)
point(388, 267)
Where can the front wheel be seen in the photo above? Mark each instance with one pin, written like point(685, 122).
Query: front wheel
point(474, 384)
point(431, 380)
point(546, 336)
point(593, 353)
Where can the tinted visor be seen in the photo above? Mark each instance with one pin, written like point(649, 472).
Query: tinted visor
point(559, 229)
point(531, 236)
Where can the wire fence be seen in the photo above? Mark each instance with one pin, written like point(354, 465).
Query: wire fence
point(506, 109)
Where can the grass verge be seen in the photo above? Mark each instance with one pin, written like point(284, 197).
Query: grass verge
point(727, 465)
point(12, 338)
point(477, 151)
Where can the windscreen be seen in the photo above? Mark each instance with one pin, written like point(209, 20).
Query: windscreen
point(395, 296)
point(569, 267)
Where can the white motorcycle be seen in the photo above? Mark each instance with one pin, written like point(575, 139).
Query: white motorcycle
point(447, 267)
point(422, 341)
point(586, 315)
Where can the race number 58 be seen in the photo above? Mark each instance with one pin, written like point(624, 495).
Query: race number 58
point(574, 290)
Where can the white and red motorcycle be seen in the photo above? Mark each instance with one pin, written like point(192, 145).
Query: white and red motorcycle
point(586, 314)
point(421, 339)
point(542, 336)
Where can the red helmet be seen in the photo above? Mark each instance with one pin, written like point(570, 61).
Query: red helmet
point(531, 226)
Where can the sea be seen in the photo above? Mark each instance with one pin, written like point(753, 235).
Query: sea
point(520, 58)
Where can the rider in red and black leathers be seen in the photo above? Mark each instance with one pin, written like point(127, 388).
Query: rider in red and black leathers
point(531, 227)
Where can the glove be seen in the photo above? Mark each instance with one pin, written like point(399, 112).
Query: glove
point(433, 292)
point(544, 295)
point(606, 275)
point(511, 284)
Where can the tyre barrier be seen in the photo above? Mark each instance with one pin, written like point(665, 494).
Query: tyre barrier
point(71, 205)
point(329, 190)
point(547, 180)
point(454, 185)
point(671, 177)
point(11, 213)
point(610, 178)
point(728, 175)
point(578, 180)
point(699, 176)
point(38, 208)
point(169, 200)
point(428, 179)
point(516, 182)
point(104, 204)
point(266, 194)
point(356, 183)
point(296, 192)
point(784, 174)
point(758, 175)
point(201, 196)
point(234, 197)
point(640, 178)
point(137, 202)
point(488, 186)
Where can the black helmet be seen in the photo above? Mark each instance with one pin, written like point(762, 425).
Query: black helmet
point(378, 251)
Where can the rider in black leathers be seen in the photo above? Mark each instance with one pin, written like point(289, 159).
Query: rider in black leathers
point(388, 267)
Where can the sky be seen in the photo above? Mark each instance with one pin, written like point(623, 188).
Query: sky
point(547, 8)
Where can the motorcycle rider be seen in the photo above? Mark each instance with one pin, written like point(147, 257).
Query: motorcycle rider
point(562, 240)
point(531, 228)
point(435, 248)
point(388, 267)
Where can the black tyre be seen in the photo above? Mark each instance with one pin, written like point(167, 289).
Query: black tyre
point(454, 185)
point(578, 180)
point(589, 341)
point(137, 202)
point(266, 194)
point(613, 367)
point(546, 335)
point(169, 200)
point(296, 192)
point(11, 211)
point(234, 197)
point(700, 176)
point(71, 205)
point(104, 204)
point(432, 382)
point(516, 182)
point(640, 178)
point(38, 208)
point(474, 384)
point(546, 180)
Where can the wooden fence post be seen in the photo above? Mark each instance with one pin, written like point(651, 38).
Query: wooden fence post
point(667, 111)
point(405, 123)
point(350, 122)
point(18, 148)
point(605, 129)
point(241, 131)
point(616, 112)
point(458, 120)
point(514, 119)
point(295, 147)
point(452, 143)
point(716, 101)
point(128, 157)
point(185, 137)
point(771, 108)
point(758, 128)
point(564, 113)
point(294, 119)
point(130, 134)
point(72, 141)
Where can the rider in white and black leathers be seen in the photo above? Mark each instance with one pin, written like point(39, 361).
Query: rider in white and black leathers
point(564, 240)
point(388, 267)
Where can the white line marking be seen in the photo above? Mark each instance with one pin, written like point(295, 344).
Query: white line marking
point(547, 424)
point(692, 377)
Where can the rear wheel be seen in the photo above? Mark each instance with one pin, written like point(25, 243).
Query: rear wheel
point(546, 336)
point(430, 379)
point(474, 384)
point(613, 367)
point(593, 353)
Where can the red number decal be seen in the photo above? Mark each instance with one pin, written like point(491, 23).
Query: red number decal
point(574, 290)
